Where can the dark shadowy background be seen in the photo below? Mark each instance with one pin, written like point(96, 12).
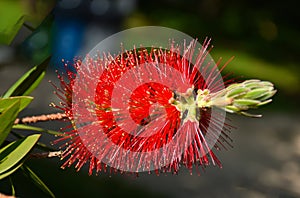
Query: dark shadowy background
point(262, 35)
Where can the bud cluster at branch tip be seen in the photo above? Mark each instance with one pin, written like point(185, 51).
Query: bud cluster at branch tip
point(238, 97)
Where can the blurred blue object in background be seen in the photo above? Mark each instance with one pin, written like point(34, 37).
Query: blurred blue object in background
point(70, 19)
point(75, 20)
point(67, 39)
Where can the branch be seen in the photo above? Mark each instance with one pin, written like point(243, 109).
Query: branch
point(46, 154)
point(40, 118)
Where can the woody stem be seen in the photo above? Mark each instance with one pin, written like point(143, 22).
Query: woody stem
point(40, 118)
point(46, 154)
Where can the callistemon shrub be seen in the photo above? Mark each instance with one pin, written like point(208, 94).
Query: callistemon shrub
point(152, 109)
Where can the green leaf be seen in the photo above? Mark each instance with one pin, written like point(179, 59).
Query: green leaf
point(13, 153)
point(268, 95)
point(257, 93)
point(24, 102)
point(246, 102)
point(232, 86)
point(36, 180)
point(264, 102)
point(10, 171)
point(237, 91)
point(13, 192)
point(7, 119)
point(32, 128)
point(12, 15)
point(38, 145)
point(250, 115)
point(28, 82)
point(232, 109)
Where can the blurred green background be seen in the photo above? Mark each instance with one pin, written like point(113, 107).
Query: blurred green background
point(262, 35)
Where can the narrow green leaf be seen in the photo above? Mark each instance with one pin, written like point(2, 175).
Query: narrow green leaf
point(256, 93)
point(253, 84)
point(10, 171)
point(266, 84)
point(28, 82)
point(13, 153)
point(267, 96)
point(250, 115)
point(265, 102)
point(24, 102)
point(13, 192)
point(232, 86)
point(7, 119)
point(231, 109)
point(34, 84)
point(245, 102)
point(237, 91)
point(36, 180)
point(251, 81)
point(32, 128)
point(38, 145)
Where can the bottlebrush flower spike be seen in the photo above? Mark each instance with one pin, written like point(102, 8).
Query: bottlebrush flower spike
point(152, 109)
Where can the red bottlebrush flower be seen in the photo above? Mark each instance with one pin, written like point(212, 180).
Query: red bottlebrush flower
point(140, 111)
